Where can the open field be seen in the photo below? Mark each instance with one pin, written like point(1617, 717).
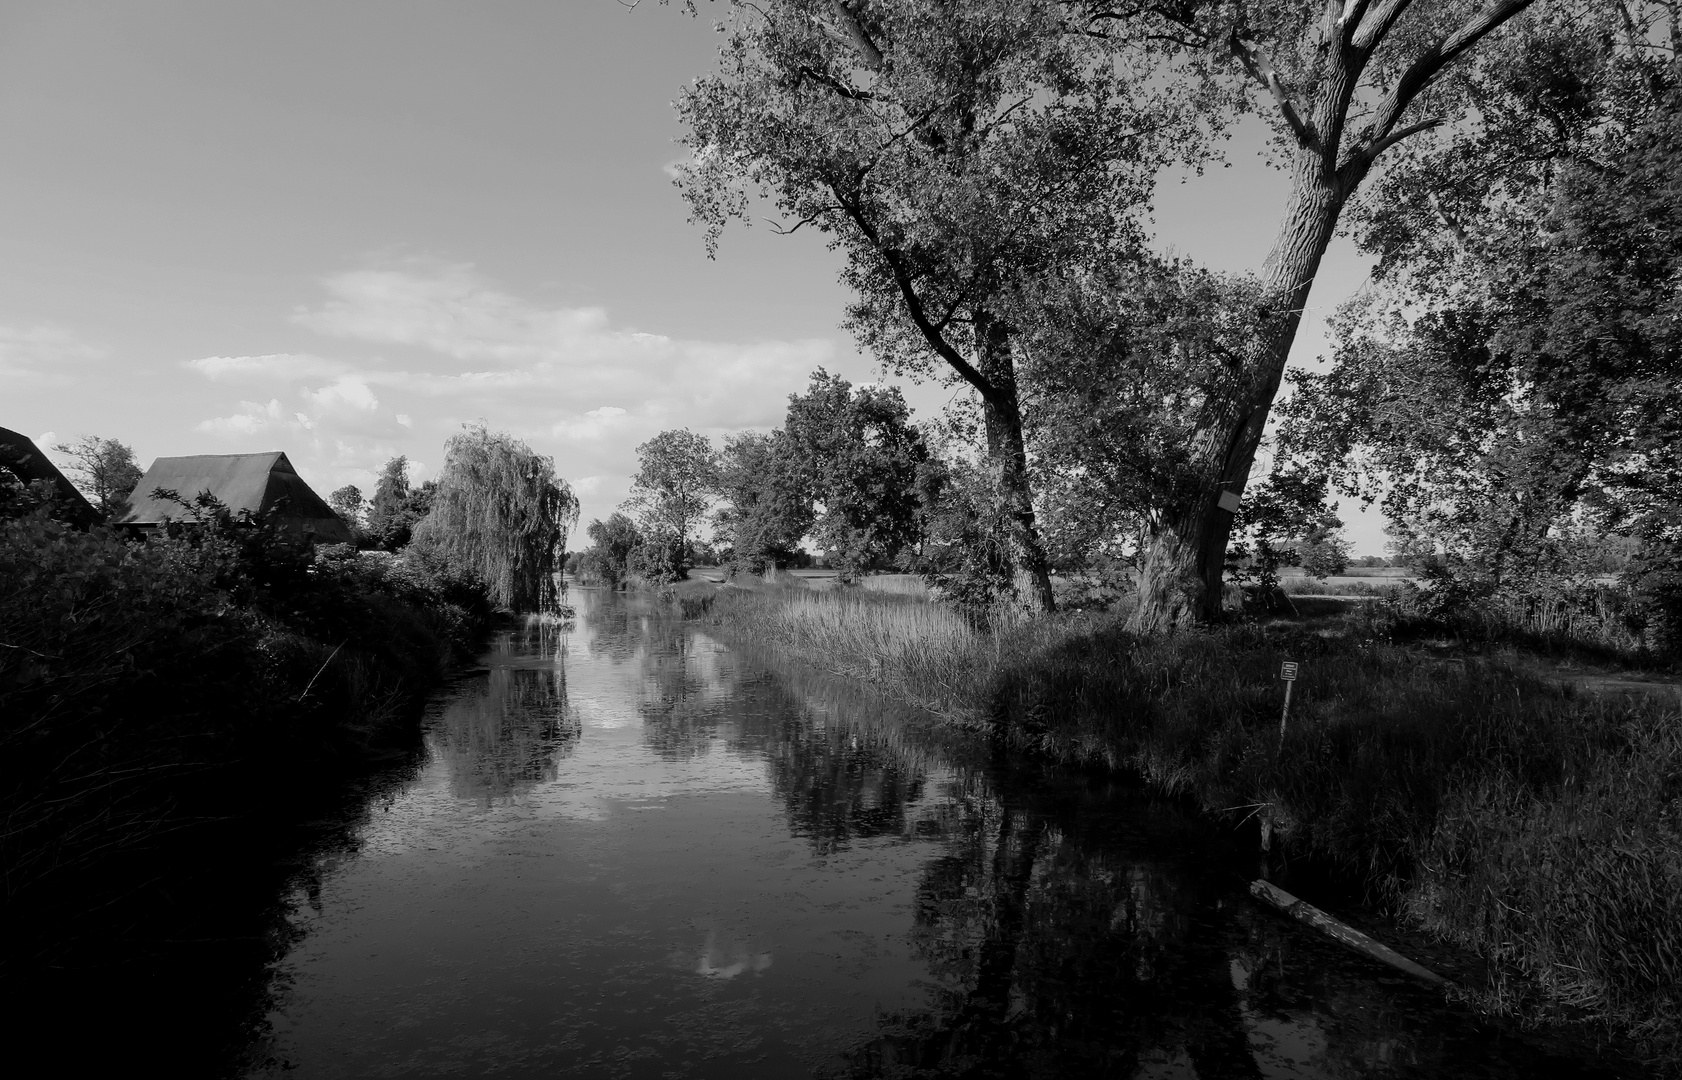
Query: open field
point(1475, 797)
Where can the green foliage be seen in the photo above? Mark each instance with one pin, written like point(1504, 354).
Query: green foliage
point(1512, 394)
point(956, 155)
point(967, 554)
point(146, 686)
point(105, 471)
point(767, 495)
point(348, 503)
point(861, 454)
point(613, 545)
point(396, 507)
point(1287, 521)
point(677, 476)
point(501, 515)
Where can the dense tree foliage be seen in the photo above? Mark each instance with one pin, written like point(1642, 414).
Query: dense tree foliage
point(613, 546)
point(954, 153)
point(860, 452)
point(672, 493)
point(396, 507)
point(105, 471)
point(502, 515)
point(1512, 391)
point(767, 508)
point(348, 503)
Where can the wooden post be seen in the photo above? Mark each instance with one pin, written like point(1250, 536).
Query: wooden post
point(1275, 897)
point(1288, 672)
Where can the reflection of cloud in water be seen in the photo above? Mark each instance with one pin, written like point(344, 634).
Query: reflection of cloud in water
point(502, 741)
point(716, 963)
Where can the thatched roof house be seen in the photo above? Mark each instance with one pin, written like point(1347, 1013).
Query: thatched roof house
point(20, 455)
point(259, 483)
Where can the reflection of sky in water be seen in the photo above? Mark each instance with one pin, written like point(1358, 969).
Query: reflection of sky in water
point(633, 852)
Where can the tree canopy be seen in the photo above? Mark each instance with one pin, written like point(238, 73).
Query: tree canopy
point(1511, 390)
point(500, 514)
point(954, 154)
point(104, 470)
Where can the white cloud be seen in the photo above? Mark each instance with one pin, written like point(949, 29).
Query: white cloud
point(348, 392)
point(250, 419)
point(428, 348)
point(283, 367)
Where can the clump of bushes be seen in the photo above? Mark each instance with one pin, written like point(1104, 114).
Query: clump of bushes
point(150, 687)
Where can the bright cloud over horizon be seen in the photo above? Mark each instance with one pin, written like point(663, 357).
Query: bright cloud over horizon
point(426, 349)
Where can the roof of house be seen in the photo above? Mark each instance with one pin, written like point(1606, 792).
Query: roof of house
point(20, 454)
point(257, 483)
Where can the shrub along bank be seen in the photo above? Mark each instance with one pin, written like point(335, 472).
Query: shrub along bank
point(1538, 826)
point(162, 703)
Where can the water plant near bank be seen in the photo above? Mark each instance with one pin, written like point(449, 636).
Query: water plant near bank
point(1515, 815)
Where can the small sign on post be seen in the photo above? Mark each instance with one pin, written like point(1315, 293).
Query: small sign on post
point(1287, 672)
point(1228, 501)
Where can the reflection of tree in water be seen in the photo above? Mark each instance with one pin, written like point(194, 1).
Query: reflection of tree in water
point(840, 784)
point(688, 693)
point(503, 741)
point(1051, 956)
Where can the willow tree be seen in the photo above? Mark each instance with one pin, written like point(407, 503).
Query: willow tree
point(501, 514)
point(953, 153)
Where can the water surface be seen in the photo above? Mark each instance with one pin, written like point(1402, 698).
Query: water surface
point(631, 851)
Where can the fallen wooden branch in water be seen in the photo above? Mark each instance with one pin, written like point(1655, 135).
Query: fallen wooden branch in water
point(1304, 912)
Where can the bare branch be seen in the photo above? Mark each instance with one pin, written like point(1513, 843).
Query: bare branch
point(1366, 156)
point(1256, 63)
point(1422, 71)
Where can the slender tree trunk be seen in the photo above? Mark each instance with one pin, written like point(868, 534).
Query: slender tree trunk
point(1007, 454)
point(1184, 556)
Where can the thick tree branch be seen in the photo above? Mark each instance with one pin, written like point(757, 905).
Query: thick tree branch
point(919, 317)
point(854, 31)
point(1361, 159)
point(824, 78)
point(1423, 70)
point(1256, 63)
point(1369, 33)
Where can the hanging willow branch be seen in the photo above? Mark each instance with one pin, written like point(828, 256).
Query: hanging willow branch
point(501, 514)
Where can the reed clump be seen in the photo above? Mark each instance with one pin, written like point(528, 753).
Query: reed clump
point(1529, 821)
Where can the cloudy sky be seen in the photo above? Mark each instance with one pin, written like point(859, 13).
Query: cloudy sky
point(344, 229)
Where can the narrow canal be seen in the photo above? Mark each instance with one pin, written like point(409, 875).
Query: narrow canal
point(631, 851)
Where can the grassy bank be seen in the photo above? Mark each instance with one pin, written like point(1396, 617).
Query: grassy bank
point(1539, 826)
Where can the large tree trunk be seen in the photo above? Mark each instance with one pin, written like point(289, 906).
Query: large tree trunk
point(1007, 454)
point(1184, 557)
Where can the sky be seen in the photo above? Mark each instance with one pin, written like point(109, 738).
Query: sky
point(344, 230)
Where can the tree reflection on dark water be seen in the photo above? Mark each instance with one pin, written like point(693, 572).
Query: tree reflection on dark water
point(504, 738)
point(1071, 926)
point(1044, 922)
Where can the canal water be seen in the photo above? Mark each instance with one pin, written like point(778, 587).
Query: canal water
point(632, 851)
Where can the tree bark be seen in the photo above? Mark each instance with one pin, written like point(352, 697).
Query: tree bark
point(1184, 556)
point(1007, 454)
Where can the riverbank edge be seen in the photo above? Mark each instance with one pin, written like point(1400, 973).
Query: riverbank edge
point(1432, 841)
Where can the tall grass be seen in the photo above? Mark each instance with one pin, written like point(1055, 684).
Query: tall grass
point(925, 652)
point(1536, 825)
